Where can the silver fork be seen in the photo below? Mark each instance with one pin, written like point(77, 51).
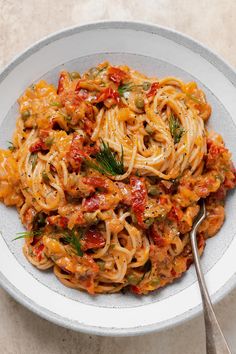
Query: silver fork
point(215, 340)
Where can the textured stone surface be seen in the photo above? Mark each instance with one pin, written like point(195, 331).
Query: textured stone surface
point(22, 23)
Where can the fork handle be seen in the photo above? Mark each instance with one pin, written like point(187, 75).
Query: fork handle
point(215, 340)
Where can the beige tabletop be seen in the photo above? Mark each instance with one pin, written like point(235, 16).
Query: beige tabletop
point(213, 22)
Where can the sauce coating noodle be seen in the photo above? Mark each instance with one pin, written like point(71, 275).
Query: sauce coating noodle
point(107, 170)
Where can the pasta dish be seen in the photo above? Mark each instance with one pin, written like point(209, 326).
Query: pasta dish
point(106, 172)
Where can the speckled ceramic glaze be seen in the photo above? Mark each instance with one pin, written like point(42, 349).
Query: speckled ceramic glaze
point(155, 51)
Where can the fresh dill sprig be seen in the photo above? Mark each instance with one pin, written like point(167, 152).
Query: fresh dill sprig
point(125, 88)
point(176, 129)
point(71, 238)
point(107, 162)
point(27, 234)
point(94, 166)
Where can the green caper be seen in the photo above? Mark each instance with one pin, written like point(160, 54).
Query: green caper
point(67, 118)
point(75, 75)
point(45, 177)
point(139, 102)
point(149, 221)
point(146, 85)
point(155, 282)
point(25, 115)
point(153, 190)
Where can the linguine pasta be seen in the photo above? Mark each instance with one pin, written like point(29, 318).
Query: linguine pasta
point(107, 171)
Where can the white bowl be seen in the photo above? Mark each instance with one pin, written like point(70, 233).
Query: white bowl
point(154, 51)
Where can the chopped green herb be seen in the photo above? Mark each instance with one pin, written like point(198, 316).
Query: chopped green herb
point(25, 115)
point(99, 71)
point(160, 218)
point(26, 234)
point(155, 282)
point(130, 87)
point(73, 239)
point(45, 177)
point(94, 72)
point(107, 162)
point(102, 69)
point(49, 141)
point(149, 221)
point(33, 160)
point(67, 118)
point(57, 104)
point(176, 129)
point(11, 147)
point(125, 88)
point(133, 280)
point(146, 268)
